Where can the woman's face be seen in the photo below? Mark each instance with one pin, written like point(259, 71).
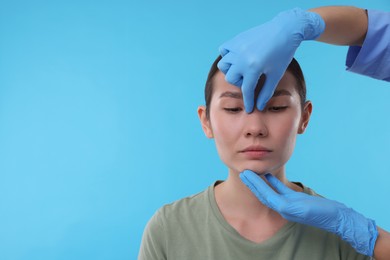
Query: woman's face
point(261, 141)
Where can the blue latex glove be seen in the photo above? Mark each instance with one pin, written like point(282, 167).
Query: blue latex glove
point(319, 212)
point(267, 49)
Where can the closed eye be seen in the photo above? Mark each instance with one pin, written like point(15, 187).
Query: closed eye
point(277, 109)
point(233, 109)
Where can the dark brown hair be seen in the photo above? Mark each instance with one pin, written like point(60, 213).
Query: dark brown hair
point(293, 67)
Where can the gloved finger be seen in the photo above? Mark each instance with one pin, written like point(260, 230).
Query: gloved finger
point(260, 188)
point(226, 62)
point(247, 179)
point(239, 83)
point(267, 90)
point(223, 50)
point(223, 66)
point(233, 76)
point(277, 184)
point(248, 90)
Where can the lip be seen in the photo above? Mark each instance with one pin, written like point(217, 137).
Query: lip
point(255, 151)
point(255, 148)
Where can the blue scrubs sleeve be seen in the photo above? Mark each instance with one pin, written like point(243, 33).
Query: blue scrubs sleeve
point(373, 58)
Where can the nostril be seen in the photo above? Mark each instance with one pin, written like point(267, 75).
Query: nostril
point(260, 133)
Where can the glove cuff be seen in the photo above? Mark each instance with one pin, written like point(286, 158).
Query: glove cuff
point(360, 232)
point(314, 25)
point(308, 25)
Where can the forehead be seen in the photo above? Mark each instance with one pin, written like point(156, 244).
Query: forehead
point(287, 82)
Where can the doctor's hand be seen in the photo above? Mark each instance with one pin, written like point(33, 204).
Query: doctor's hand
point(319, 212)
point(267, 49)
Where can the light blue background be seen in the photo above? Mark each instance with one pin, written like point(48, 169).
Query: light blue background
point(98, 123)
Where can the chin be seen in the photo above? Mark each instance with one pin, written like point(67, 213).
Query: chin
point(260, 170)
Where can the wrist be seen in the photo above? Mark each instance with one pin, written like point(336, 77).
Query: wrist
point(304, 24)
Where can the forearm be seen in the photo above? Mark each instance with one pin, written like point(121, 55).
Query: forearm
point(382, 245)
point(345, 25)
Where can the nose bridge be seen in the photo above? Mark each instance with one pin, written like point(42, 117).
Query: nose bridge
point(256, 124)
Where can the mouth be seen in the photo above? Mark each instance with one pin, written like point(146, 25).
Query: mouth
point(255, 152)
point(256, 148)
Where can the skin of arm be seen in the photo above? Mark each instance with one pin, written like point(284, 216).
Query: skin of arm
point(345, 25)
point(382, 245)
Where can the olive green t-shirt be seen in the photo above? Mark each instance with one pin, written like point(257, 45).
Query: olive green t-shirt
point(194, 228)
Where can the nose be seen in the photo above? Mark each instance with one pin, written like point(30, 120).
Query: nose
point(255, 125)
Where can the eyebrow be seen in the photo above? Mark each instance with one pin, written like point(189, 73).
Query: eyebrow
point(231, 94)
point(238, 95)
point(281, 92)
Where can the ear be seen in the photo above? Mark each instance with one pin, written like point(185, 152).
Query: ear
point(206, 126)
point(306, 113)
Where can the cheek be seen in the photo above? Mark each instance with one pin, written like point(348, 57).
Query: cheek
point(226, 133)
point(287, 133)
point(290, 129)
point(223, 130)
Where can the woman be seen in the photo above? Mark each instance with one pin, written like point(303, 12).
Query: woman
point(227, 221)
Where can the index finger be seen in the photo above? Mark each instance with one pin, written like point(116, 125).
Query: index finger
point(248, 89)
point(261, 189)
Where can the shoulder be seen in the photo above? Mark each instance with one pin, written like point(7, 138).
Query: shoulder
point(306, 189)
point(184, 209)
point(169, 222)
point(186, 203)
point(334, 244)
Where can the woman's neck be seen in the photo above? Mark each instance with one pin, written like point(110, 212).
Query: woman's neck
point(244, 212)
point(235, 198)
